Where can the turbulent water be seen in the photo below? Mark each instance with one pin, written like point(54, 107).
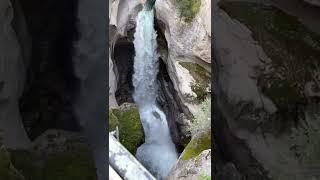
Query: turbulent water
point(158, 153)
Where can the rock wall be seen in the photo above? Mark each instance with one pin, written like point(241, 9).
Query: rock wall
point(313, 2)
point(263, 118)
point(187, 42)
point(13, 59)
point(90, 63)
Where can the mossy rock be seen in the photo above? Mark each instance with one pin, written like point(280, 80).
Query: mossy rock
point(113, 121)
point(56, 155)
point(73, 165)
point(7, 170)
point(202, 78)
point(127, 118)
point(198, 143)
point(27, 163)
point(70, 165)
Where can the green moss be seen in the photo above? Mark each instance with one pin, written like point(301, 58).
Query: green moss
point(188, 8)
point(113, 121)
point(202, 78)
point(130, 128)
point(198, 143)
point(72, 165)
point(7, 170)
point(67, 165)
point(27, 163)
point(204, 177)
point(292, 47)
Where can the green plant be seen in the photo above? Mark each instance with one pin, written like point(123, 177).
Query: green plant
point(202, 120)
point(188, 8)
point(204, 177)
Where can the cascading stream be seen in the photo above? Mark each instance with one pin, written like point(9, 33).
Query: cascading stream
point(158, 153)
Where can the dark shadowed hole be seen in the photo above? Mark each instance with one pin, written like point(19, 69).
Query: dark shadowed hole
point(47, 100)
point(124, 57)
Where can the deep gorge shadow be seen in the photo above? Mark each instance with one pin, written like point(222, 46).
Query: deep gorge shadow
point(123, 60)
point(47, 100)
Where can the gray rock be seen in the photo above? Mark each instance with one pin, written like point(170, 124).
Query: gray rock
point(12, 75)
point(263, 138)
point(199, 166)
point(313, 2)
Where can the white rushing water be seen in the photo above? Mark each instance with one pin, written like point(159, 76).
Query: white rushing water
point(158, 153)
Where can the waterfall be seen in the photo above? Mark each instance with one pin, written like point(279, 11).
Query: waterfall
point(158, 153)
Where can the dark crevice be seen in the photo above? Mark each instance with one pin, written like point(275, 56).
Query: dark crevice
point(47, 100)
point(123, 60)
point(169, 103)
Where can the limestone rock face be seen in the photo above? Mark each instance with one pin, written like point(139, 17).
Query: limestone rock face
point(123, 13)
point(195, 160)
point(195, 168)
point(313, 2)
point(12, 75)
point(189, 40)
point(264, 118)
point(89, 62)
point(122, 16)
point(112, 84)
point(186, 42)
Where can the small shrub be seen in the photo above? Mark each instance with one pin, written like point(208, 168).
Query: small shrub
point(204, 177)
point(188, 8)
point(202, 120)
